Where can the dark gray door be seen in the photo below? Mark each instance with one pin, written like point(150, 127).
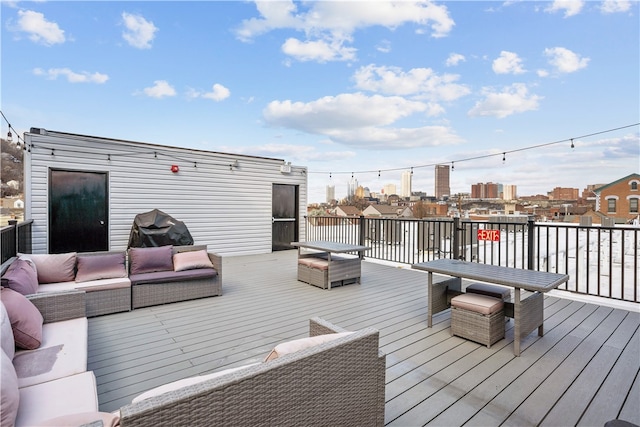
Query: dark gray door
point(78, 219)
point(285, 216)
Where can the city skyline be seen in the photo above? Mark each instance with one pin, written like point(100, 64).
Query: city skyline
point(508, 191)
point(499, 91)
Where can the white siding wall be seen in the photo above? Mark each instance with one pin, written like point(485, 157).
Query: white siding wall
point(228, 209)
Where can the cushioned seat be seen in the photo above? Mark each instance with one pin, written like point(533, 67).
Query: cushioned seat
point(172, 276)
point(479, 318)
point(490, 290)
point(63, 352)
point(69, 395)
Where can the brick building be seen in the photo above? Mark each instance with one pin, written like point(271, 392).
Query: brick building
point(620, 199)
point(485, 191)
point(561, 193)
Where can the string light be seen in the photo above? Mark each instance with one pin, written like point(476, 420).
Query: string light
point(27, 147)
point(532, 147)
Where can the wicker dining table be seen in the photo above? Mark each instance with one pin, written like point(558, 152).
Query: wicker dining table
point(528, 313)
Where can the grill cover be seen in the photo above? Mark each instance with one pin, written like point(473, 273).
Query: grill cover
point(156, 228)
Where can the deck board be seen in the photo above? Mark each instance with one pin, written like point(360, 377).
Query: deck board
point(585, 368)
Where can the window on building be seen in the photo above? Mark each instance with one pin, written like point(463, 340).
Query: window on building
point(634, 186)
point(633, 205)
point(611, 205)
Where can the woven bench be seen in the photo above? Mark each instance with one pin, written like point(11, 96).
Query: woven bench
point(478, 318)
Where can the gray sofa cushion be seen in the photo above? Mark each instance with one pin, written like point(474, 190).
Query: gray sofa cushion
point(172, 276)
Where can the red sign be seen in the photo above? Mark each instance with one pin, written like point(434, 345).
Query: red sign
point(493, 235)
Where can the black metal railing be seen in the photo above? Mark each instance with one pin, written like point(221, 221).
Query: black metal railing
point(601, 261)
point(15, 237)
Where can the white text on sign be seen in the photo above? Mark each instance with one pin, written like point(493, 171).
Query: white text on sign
point(493, 235)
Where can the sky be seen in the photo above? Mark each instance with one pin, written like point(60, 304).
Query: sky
point(349, 89)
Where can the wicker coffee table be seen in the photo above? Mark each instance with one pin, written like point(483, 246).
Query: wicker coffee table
point(528, 313)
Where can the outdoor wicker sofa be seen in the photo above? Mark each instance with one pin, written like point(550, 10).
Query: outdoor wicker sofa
point(167, 286)
point(101, 275)
point(336, 383)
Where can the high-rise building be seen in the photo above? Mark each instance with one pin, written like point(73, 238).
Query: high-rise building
point(509, 192)
point(351, 188)
point(405, 185)
point(442, 181)
point(484, 191)
point(331, 193)
point(389, 189)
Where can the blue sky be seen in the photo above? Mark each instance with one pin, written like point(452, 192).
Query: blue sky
point(362, 88)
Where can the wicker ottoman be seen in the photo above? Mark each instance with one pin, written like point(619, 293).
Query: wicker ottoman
point(478, 318)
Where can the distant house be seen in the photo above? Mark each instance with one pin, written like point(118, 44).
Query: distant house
point(620, 199)
point(344, 210)
point(386, 211)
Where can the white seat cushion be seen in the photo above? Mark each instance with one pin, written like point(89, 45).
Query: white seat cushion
point(63, 352)
point(57, 287)
point(70, 395)
point(103, 284)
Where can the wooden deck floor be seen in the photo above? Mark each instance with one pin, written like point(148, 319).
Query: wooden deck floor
point(584, 371)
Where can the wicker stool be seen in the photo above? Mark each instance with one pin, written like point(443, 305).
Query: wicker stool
point(478, 318)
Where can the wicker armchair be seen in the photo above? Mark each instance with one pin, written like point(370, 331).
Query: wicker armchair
point(338, 383)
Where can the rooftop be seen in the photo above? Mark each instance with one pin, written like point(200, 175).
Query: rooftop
point(584, 370)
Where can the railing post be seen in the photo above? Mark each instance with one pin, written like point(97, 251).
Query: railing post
point(455, 241)
point(531, 243)
point(14, 224)
point(361, 236)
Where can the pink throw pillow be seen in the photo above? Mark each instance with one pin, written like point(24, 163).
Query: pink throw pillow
point(9, 393)
point(148, 260)
point(301, 344)
point(22, 277)
point(54, 268)
point(26, 320)
point(191, 260)
point(95, 267)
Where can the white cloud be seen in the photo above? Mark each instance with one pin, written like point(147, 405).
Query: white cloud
point(615, 6)
point(511, 100)
point(139, 32)
point(319, 50)
point(350, 110)
point(218, 93)
point(359, 120)
point(39, 29)
point(329, 25)
point(423, 83)
point(381, 138)
point(72, 77)
point(384, 46)
point(508, 63)
point(564, 60)
point(296, 153)
point(160, 89)
point(570, 7)
point(454, 59)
